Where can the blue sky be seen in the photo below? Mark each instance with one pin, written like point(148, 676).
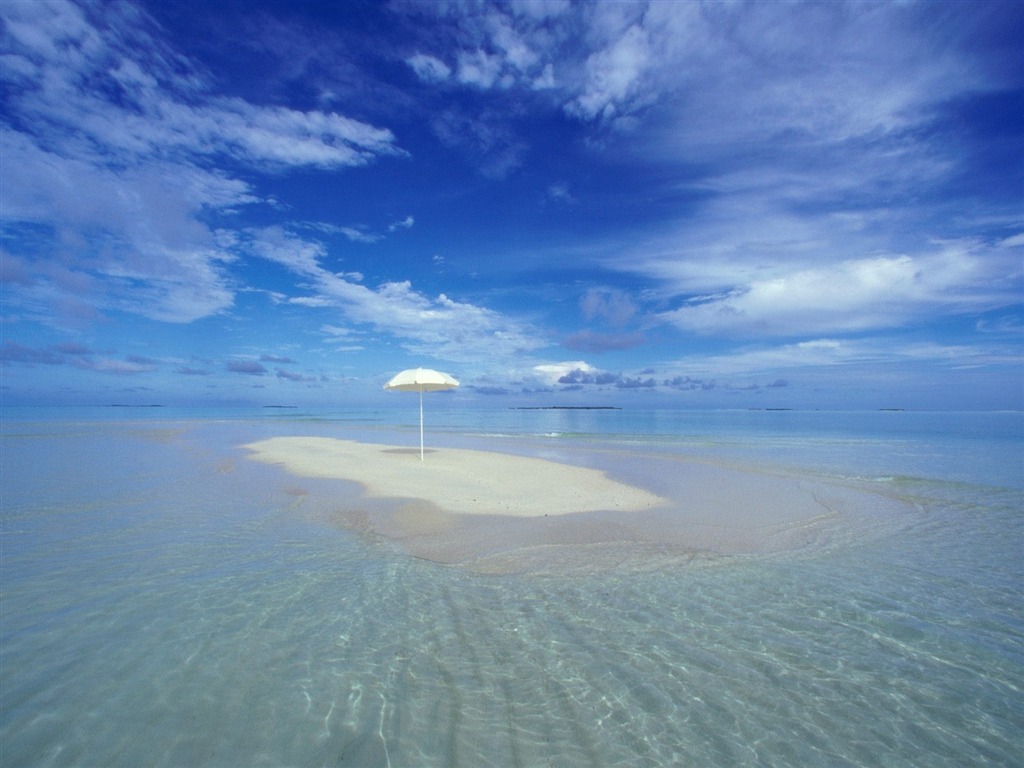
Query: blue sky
point(663, 204)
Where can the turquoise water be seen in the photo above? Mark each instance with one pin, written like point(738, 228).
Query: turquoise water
point(165, 602)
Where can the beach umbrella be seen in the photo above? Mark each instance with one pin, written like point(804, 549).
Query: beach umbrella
point(421, 380)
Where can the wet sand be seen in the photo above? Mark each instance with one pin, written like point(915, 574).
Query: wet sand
point(497, 512)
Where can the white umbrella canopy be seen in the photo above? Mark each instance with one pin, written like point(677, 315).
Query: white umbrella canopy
point(421, 380)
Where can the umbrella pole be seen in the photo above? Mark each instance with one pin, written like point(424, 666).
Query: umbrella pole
point(421, 425)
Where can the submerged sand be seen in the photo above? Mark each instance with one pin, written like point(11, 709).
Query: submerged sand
point(497, 512)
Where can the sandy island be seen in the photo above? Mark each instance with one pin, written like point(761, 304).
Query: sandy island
point(497, 512)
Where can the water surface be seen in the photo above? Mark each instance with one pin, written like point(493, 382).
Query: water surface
point(167, 603)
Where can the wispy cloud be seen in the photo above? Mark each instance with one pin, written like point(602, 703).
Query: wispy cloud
point(611, 305)
point(429, 68)
point(614, 76)
point(147, 100)
point(360, 233)
point(248, 367)
point(775, 188)
point(406, 223)
point(438, 327)
point(593, 341)
point(857, 295)
point(808, 168)
point(74, 355)
point(122, 131)
point(881, 353)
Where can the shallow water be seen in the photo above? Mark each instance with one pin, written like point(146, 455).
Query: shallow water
point(167, 603)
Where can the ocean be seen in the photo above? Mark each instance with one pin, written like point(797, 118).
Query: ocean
point(165, 601)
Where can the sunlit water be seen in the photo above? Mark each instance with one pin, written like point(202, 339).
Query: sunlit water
point(166, 602)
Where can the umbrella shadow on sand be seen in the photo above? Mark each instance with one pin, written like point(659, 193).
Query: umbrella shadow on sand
point(408, 451)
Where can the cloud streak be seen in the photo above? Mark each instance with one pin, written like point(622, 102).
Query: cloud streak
point(437, 327)
point(858, 295)
point(711, 196)
point(115, 112)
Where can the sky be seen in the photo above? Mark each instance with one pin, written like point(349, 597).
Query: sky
point(633, 204)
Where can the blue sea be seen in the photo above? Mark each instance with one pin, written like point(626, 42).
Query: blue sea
point(164, 601)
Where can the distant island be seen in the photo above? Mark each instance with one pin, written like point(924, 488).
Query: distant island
point(280, 406)
point(566, 408)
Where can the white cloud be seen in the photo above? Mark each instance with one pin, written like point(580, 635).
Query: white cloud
point(612, 75)
point(439, 327)
point(479, 68)
point(517, 53)
point(608, 304)
point(545, 80)
point(124, 93)
point(820, 72)
point(310, 301)
point(540, 9)
point(876, 353)
point(854, 295)
point(118, 164)
point(282, 247)
point(405, 223)
point(429, 68)
point(130, 240)
point(502, 46)
point(559, 193)
point(550, 373)
point(360, 235)
point(343, 339)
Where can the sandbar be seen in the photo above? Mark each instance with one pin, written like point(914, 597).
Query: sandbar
point(459, 481)
point(498, 512)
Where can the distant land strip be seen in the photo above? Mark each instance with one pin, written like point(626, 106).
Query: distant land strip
point(566, 408)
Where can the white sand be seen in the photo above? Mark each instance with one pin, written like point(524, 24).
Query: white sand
point(458, 481)
point(496, 512)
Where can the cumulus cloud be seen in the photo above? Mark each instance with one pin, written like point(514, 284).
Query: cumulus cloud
point(551, 373)
point(577, 375)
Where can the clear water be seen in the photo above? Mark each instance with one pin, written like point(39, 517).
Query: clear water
point(164, 602)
